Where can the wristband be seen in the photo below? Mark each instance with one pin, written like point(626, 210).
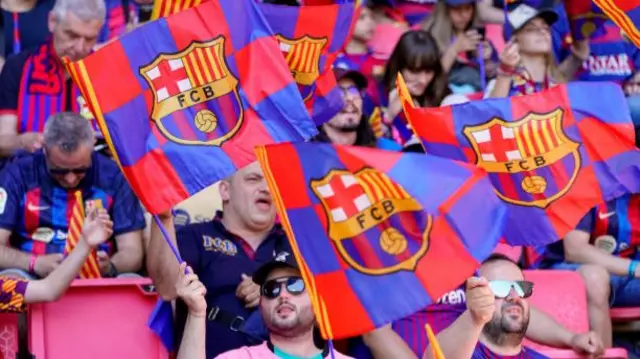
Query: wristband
point(507, 69)
point(32, 264)
point(632, 269)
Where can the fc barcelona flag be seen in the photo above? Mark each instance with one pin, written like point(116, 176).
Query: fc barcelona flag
point(552, 156)
point(379, 235)
point(183, 100)
point(626, 14)
point(310, 39)
point(585, 19)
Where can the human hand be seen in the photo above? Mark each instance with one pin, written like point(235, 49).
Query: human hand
point(46, 264)
point(191, 291)
point(97, 227)
point(31, 141)
point(589, 343)
point(467, 42)
point(480, 300)
point(510, 55)
point(248, 291)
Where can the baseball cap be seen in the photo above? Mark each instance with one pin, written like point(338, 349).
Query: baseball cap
point(343, 68)
point(281, 260)
point(523, 13)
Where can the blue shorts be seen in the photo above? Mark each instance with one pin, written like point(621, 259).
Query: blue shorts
point(625, 292)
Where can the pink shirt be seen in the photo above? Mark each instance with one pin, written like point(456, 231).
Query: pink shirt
point(261, 351)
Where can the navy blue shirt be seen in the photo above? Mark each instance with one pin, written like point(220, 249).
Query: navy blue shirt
point(32, 28)
point(36, 209)
point(220, 258)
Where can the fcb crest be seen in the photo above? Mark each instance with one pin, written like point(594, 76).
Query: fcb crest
point(195, 95)
point(531, 162)
point(303, 58)
point(373, 223)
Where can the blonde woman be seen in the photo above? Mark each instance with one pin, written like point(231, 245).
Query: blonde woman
point(527, 64)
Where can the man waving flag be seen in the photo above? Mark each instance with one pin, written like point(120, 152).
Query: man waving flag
point(183, 100)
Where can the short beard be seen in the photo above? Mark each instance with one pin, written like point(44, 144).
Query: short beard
point(498, 332)
point(301, 326)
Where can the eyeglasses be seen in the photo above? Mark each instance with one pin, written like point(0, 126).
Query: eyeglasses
point(271, 289)
point(351, 92)
point(502, 288)
point(64, 171)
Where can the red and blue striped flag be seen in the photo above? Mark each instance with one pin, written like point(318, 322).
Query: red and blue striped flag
point(372, 229)
point(626, 14)
point(552, 156)
point(193, 95)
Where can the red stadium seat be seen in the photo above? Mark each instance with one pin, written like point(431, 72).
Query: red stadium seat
point(562, 294)
point(97, 319)
point(622, 315)
point(8, 335)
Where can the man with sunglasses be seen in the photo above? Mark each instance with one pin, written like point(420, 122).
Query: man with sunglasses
point(37, 195)
point(497, 316)
point(285, 306)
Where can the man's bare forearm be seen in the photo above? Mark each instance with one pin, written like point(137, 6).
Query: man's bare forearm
point(14, 258)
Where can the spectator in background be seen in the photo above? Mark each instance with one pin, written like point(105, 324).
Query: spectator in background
point(121, 16)
point(285, 306)
point(15, 293)
point(24, 24)
point(604, 251)
point(612, 58)
point(350, 126)
point(224, 253)
point(37, 194)
point(34, 85)
point(527, 63)
point(455, 26)
point(497, 317)
point(417, 58)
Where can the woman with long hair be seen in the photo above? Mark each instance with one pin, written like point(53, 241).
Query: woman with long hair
point(455, 26)
point(527, 63)
point(417, 58)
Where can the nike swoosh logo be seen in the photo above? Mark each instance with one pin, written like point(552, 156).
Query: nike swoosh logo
point(605, 215)
point(33, 208)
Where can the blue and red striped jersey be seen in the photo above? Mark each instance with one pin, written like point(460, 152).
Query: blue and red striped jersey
point(482, 352)
point(37, 210)
point(614, 227)
point(439, 316)
point(611, 58)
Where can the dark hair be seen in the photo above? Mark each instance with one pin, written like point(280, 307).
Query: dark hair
point(497, 257)
point(364, 134)
point(417, 50)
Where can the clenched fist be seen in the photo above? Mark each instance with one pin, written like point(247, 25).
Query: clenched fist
point(480, 300)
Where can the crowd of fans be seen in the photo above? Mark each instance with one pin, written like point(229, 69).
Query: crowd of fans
point(243, 294)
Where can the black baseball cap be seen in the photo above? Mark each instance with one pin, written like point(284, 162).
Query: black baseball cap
point(520, 15)
point(281, 260)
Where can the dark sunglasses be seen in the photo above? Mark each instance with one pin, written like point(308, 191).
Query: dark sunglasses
point(64, 171)
point(502, 288)
point(271, 289)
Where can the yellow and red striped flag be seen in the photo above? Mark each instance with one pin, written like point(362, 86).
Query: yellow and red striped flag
point(164, 8)
point(90, 268)
point(433, 344)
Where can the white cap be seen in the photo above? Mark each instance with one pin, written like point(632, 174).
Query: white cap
point(524, 13)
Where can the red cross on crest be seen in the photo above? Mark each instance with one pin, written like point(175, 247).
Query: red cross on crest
point(169, 78)
point(344, 197)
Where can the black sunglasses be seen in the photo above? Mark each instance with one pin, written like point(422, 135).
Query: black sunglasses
point(64, 171)
point(271, 289)
point(502, 288)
